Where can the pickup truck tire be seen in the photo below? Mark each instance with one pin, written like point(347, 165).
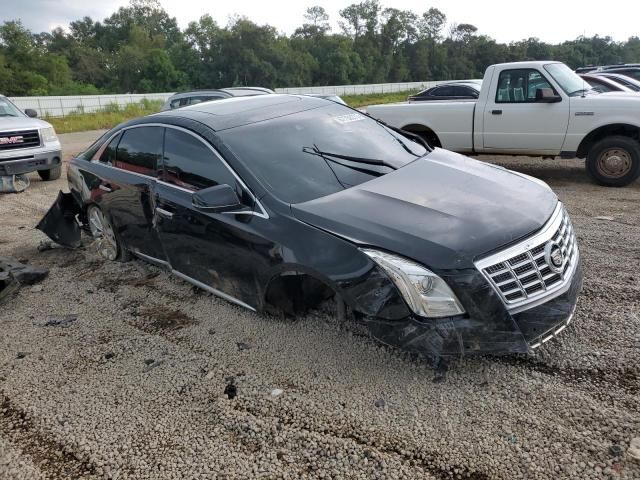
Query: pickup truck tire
point(51, 174)
point(614, 161)
point(107, 240)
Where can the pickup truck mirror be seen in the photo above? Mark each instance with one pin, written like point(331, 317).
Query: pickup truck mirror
point(221, 198)
point(30, 112)
point(547, 95)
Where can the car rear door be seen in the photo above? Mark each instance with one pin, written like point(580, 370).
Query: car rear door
point(514, 121)
point(127, 169)
point(217, 250)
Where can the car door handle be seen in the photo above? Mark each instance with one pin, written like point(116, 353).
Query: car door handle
point(106, 188)
point(164, 213)
point(496, 112)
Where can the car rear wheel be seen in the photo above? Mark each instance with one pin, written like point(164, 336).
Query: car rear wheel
point(107, 240)
point(51, 174)
point(614, 161)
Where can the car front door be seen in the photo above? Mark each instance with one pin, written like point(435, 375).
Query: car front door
point(127, 169)
point(513, 120)
point(218, 250)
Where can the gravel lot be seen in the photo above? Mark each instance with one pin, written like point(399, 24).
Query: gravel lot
point(132, 386)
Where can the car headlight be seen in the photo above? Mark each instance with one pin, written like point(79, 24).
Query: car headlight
point(48, 134)
point(425, 292)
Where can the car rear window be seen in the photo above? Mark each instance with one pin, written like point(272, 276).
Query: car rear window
point(280, 151)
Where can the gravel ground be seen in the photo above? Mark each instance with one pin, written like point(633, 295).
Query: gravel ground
point(132, 385)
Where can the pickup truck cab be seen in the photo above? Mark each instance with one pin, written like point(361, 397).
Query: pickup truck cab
point(537, 108)
point(27, 144)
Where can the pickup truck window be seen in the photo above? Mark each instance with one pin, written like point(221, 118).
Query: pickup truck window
point(519, 86)
point(568, 80)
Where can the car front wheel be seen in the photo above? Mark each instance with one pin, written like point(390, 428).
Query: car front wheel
point(51, 174)
point(107, 241)
point(614, 161)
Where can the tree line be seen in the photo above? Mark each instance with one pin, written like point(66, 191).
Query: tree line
point(140, 48)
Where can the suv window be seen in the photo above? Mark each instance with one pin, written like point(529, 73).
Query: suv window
point(190, 164)
point(140, 149)
point(519, 86)
point(109, 153)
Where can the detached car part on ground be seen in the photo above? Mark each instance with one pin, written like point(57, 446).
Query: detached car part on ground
point(27, 144)
point(284, 202)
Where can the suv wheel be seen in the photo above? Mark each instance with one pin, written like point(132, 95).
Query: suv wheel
point(107, 240)
point(51, 174)
point(614, 161)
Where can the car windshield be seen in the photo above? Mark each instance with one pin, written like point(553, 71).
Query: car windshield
point(314, 153)
point(568, 80)
point(8, 109)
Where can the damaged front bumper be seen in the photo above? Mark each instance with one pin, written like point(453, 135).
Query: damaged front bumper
point(487, 329)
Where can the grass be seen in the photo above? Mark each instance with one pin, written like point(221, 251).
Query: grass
point(112, 114)
point(108, 117)
point(376, 98)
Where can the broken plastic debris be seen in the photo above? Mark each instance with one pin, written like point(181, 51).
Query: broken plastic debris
point(60, 223)
point(14, 183)
point(276, 392)
point(14, 273)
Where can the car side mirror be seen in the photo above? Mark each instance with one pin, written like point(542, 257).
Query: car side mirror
point(221, 198)
point(547, 95)
point(30, 112)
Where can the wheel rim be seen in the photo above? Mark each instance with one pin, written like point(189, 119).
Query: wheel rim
point(614, 163)
point(102, 231)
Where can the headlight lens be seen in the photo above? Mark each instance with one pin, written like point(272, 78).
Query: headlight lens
point(425, 292)
point(48, 134)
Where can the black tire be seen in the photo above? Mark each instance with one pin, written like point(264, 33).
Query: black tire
point(51, 174)
point(614, 161)
point(110, 246)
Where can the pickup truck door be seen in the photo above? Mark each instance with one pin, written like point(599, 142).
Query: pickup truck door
point(514, 122)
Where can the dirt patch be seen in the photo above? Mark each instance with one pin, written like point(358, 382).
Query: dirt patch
point(158, 318)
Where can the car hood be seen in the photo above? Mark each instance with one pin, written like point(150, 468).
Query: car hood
point(21, 123)
point(443, 210)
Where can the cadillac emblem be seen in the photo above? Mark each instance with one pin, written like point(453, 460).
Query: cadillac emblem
point(554, 257)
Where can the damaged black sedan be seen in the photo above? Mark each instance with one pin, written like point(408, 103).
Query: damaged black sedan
point(284, 202)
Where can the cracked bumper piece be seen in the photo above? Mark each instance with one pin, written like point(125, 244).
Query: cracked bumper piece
point(25, 163)
point(60, 223)
point(489, 329)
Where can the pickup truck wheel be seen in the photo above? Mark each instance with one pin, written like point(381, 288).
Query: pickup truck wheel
point(614, 161)
point(51, 174)
point(107, 240)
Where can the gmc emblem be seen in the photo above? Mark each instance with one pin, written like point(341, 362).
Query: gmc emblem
point(8, 140)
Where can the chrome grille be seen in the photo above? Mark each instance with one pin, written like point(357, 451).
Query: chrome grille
point(17, 139)
point(523, 274)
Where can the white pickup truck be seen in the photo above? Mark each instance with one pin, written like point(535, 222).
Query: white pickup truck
point(536, 109)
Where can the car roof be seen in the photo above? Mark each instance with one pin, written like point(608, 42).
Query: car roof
point(237, 111)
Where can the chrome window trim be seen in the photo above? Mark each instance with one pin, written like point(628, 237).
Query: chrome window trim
point(193, 281)
point(543, 236)
point(262, 214)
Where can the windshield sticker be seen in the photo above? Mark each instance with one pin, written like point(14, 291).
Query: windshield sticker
point(352, 117)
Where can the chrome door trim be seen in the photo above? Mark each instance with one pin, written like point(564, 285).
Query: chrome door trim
point(193, 281)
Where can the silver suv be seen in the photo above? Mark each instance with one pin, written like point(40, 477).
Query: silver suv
point(27, 144)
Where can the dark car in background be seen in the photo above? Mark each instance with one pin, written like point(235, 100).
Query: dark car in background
point(603, 84)
point(462, 90)
point(185, 99)
point(630, 70)
point(283, 203)
point(621, 79)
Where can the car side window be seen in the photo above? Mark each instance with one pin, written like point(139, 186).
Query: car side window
point(520, 86)
point(139, 150)
point(108, 156)
point(468, 92)
point(190, 164)
point(444, 92)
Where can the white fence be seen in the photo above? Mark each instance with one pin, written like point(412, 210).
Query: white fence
point(361, 89)
point(61, 106)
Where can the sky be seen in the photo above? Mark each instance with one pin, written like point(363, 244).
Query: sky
point(504, 21)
